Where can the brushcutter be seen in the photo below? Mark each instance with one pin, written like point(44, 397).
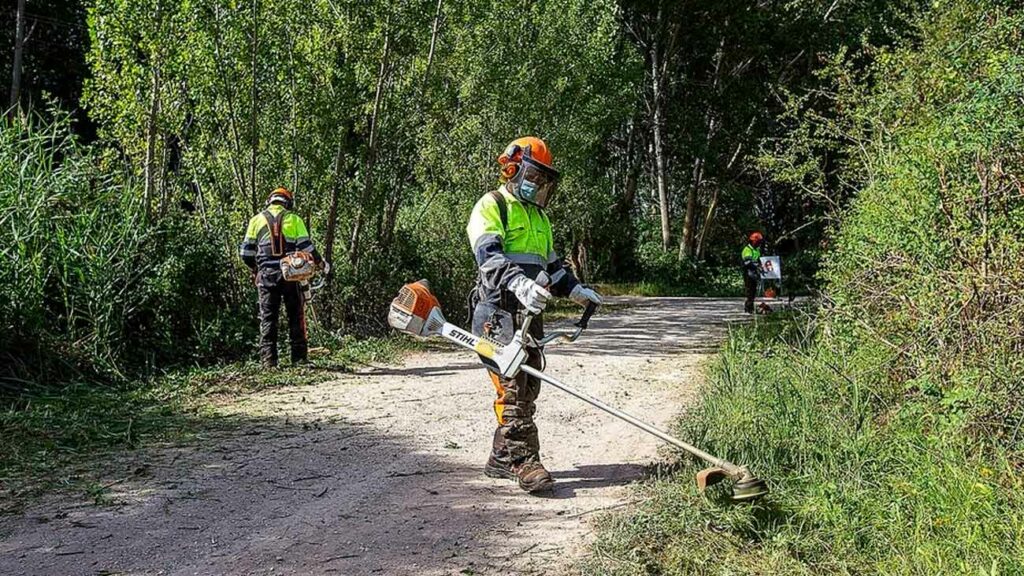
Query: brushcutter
point(416, 311)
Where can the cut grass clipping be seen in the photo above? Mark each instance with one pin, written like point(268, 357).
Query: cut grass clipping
point(48, 433)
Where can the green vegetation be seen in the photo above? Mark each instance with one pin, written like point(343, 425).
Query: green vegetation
point(889, 421)
point(143, 135)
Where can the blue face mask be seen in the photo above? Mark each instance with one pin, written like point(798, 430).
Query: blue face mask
point(535, 183)
point(528, 192)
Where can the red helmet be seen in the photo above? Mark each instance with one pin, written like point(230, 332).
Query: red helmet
point(756, 238)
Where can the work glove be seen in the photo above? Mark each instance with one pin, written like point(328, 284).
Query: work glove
point(531, 295)
point(326, 267)
point(583, 295)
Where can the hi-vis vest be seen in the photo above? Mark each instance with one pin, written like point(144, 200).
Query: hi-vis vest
point(751, 254)
point(527, 240)
point(259, 241)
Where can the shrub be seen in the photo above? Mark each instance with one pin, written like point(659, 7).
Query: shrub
point(93, 287)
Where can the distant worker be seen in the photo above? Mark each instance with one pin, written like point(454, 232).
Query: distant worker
point(752, 270)
point(273, 234)
point(512, 241)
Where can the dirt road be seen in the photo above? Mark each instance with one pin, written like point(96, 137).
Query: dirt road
point(380, 473)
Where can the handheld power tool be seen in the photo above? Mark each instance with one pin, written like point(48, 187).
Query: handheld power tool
point(416, 311)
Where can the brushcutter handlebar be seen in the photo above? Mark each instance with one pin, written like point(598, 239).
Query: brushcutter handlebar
point(585, 320)
point(563, 335)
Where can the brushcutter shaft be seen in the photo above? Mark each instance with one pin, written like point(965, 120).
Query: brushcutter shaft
point(730, 468)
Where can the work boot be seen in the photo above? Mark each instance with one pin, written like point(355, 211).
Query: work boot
point(533, 477)
point(498, 469)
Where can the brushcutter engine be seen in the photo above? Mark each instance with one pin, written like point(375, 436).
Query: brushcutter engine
point(416, 311)
point(297, 267)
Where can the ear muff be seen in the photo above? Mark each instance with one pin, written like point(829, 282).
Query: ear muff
point(509, 161)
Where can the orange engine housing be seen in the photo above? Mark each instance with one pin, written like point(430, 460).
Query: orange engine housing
point(417, 299)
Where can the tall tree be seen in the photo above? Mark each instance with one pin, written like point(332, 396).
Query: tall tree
point(19, 50)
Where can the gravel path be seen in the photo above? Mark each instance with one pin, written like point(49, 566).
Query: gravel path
point(380, 472)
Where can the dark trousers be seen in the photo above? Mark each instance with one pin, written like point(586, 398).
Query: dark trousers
point(271, 296)
point(516, 439)
point(750, 290)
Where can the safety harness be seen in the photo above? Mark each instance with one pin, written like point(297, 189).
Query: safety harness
point(277, 241)
point(499, 199)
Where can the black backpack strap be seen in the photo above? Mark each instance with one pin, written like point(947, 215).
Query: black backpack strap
point(499, 199)
point(277, 243)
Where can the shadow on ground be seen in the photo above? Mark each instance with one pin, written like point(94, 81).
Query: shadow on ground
point(273, 495)
point(354, 486)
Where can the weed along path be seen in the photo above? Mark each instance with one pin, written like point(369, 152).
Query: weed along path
point(380, 472)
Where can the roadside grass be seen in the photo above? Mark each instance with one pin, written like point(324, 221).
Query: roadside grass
point(722, 285)
point(865, 479)
point(49, 433)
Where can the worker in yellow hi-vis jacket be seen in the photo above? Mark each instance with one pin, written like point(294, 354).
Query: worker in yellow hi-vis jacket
point(512, 241)
point(751, 270)
point(271, 235)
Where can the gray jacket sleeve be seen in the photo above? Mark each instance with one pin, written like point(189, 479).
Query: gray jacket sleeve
point(496, 270)
point(563, 281)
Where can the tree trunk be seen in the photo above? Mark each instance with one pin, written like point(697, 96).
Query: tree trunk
point(387, 233)
point(149, 170)
point(253, 116)
point(433, 44)
point(388, 221)
point(686, 243)
point(371, 153)
point(19, 51)
point(294, 104)
point(709, 219)
point(632, 171)
point(235, 158)
point(659, 152)
point(332, 218)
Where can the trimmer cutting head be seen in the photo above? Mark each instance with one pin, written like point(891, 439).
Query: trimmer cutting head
point(416, 311)
point(747, 486)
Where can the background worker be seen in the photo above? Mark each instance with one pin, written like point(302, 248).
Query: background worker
point(513, 244)
point(751, 270)
point(271, 235)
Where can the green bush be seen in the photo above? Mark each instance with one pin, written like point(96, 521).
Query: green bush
point(664, 269)
point(93, 288)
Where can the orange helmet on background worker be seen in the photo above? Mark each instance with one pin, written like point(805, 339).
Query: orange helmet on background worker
point(282, 196)
point(756, 239)
point(526, 171)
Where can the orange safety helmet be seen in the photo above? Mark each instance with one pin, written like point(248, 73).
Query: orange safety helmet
point(756, 238)
point(282, 195)
point(526, 171)
point(511, 158)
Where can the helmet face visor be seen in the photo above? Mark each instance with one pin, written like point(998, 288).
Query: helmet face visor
point(535, 183)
